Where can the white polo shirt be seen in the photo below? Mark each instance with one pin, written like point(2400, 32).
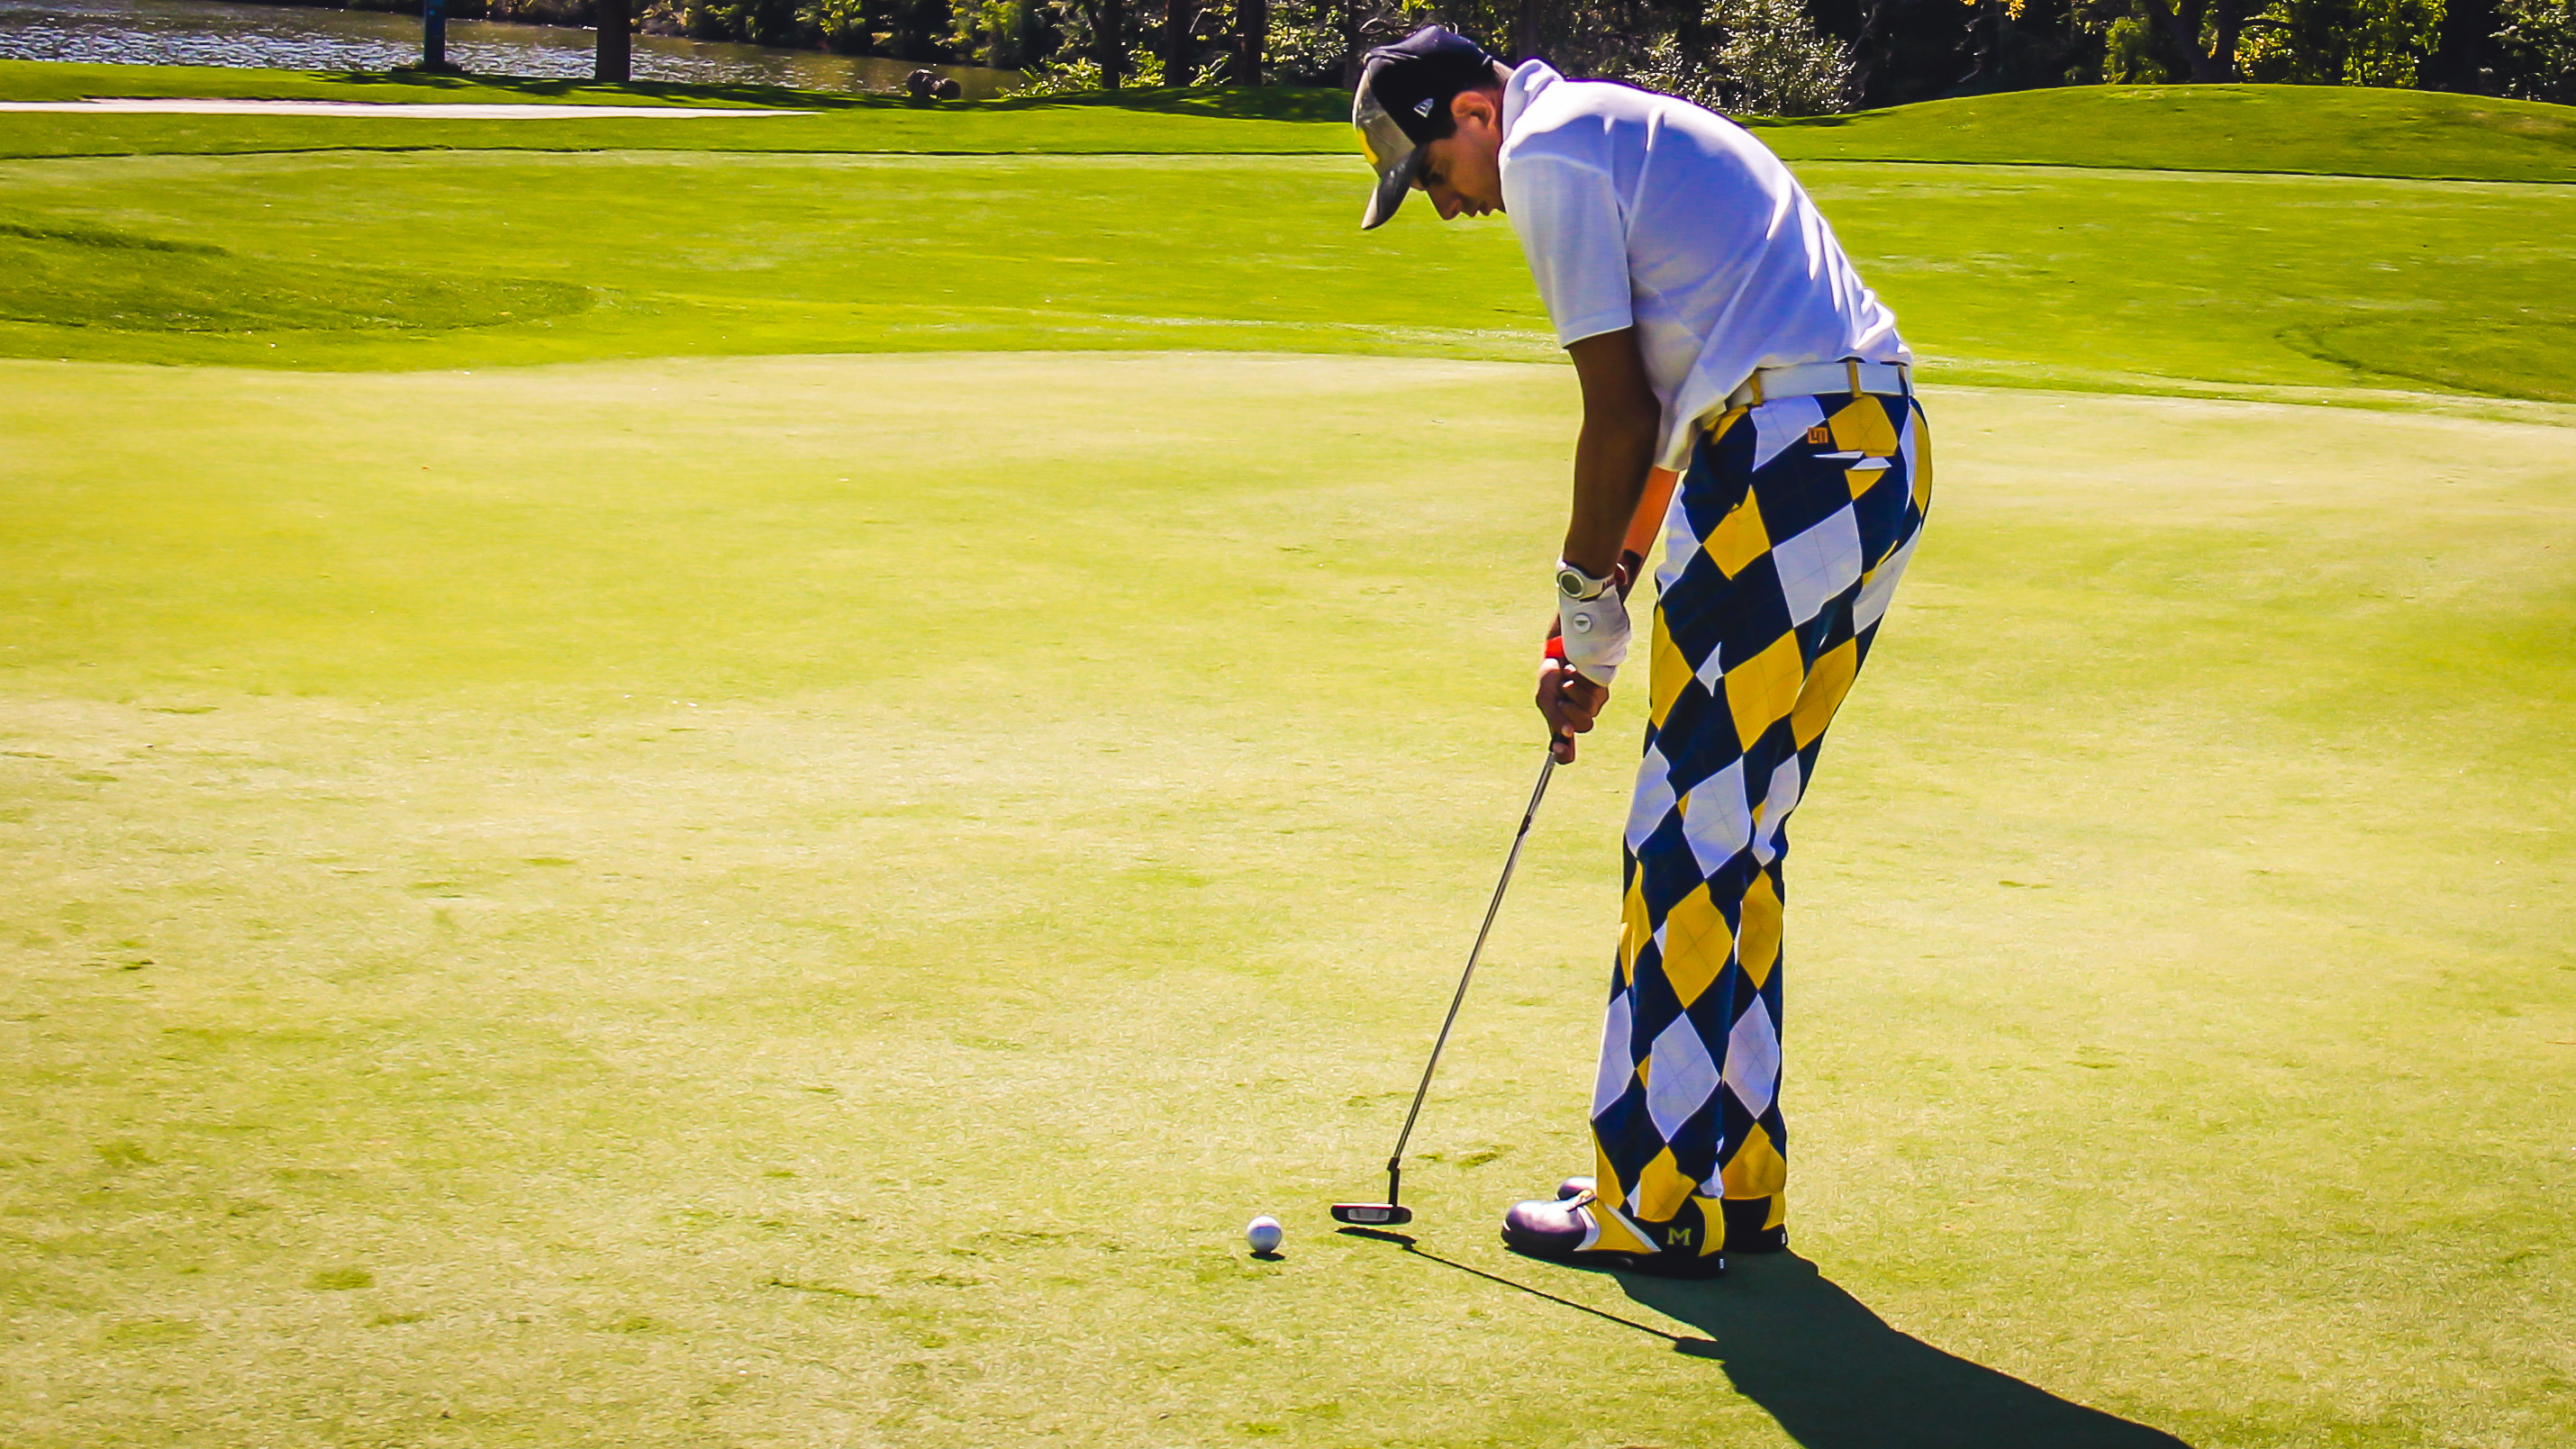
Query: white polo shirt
point(1636, 209)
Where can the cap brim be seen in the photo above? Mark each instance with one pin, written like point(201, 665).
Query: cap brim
point(1391, 187)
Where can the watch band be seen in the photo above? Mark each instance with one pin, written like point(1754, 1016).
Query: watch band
point(1575, 584)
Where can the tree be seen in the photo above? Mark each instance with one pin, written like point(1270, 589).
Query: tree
point(1180, 17)
point(2536, 46)
point(2206, 40)
point(2146, 41)
point(1767, 60)
point(1321, 42)
point(2129, 53)
point(1251, 39)
point(1099, 27)
point(613, 57)
point(1004, 34)
point(2463, 59)
point(2390, 41)
point(2340, 42)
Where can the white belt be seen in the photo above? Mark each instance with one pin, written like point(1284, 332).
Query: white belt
point(1808, 379)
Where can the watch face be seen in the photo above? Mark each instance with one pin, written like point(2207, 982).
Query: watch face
point(1572, 583)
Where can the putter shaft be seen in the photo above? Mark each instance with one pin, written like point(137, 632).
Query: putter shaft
point(1395, 1159)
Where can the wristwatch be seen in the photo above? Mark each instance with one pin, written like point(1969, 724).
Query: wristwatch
point(1577, 585)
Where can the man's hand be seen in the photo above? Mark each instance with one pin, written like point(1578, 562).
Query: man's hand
point(1566, 700)
point(1569, 703)
point(1593, 633)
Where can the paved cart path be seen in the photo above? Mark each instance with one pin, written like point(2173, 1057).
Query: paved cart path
point(459, 111)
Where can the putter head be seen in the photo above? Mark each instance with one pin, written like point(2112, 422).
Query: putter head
point(1371, 1214)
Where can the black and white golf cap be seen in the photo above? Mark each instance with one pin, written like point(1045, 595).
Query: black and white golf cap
point(1403, 87)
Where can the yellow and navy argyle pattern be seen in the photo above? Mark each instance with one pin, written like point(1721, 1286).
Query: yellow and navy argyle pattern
point(1783, 546)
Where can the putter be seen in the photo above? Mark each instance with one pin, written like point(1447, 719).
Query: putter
point(1392, 1211)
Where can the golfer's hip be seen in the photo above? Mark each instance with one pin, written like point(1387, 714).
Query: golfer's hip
point(1850, 376)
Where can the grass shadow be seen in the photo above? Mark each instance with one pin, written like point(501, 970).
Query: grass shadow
point(1802, 123)
point(1834, 1374)
point(1405, 1240)
point(494, 86)
point(1228, 103)
point(1837, 1376)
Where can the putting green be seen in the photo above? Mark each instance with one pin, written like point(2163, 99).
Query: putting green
point(807, 899)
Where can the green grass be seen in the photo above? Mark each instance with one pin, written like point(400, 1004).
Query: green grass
point(2136, 280)
point(22, 80)
point(671, 901)
point(568, 878)
point(2020, 274)
point(92, 277)
point(2320, 130)
point(1243, 122)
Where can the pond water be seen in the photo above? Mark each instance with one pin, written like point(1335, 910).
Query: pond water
point(211, 32)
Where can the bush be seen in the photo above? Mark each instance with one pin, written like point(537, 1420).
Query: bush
point(1768, 60)
point(2391, 37)
point(761, 22)
point(2340, 42)
point(1059, 78)
point(2129, 53)
point(1005, 34)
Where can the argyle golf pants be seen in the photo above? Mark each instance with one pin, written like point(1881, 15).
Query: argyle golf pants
point(1783, 545)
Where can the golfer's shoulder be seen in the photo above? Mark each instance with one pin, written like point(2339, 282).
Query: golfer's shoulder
point(1614, 127)
point(1571, 120)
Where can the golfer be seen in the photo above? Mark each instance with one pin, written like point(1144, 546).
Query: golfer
point(1719, 334)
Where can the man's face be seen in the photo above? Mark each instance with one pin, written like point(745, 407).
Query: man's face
point(1462, 172)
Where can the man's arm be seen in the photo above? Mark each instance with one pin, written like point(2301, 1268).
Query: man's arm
point(1622, 420)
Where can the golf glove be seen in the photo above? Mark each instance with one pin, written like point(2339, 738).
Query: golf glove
point(1595, 633)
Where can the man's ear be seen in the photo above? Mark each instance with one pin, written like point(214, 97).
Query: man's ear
point(1477, 104)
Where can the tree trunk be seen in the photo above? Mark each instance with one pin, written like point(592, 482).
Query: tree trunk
point(1113, 42)
point(2229, 17)
point(2459, 60)
point(1524, 31)
point(613, 61)
point(2182, 23)
point(1177, 17)
point(1690, 35)
point(1982, 52)
point(1251, 39)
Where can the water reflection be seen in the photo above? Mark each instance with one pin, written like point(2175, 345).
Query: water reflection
point(207, 32)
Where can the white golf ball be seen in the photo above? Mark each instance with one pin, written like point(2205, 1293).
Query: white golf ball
point(1264, 1233)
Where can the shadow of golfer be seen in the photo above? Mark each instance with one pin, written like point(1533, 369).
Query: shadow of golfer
point(1834, 1374)
point(1837, 1376)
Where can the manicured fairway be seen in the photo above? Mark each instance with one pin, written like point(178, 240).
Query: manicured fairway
point(668, 797)
point(2130, 280)
point(2318, 130)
